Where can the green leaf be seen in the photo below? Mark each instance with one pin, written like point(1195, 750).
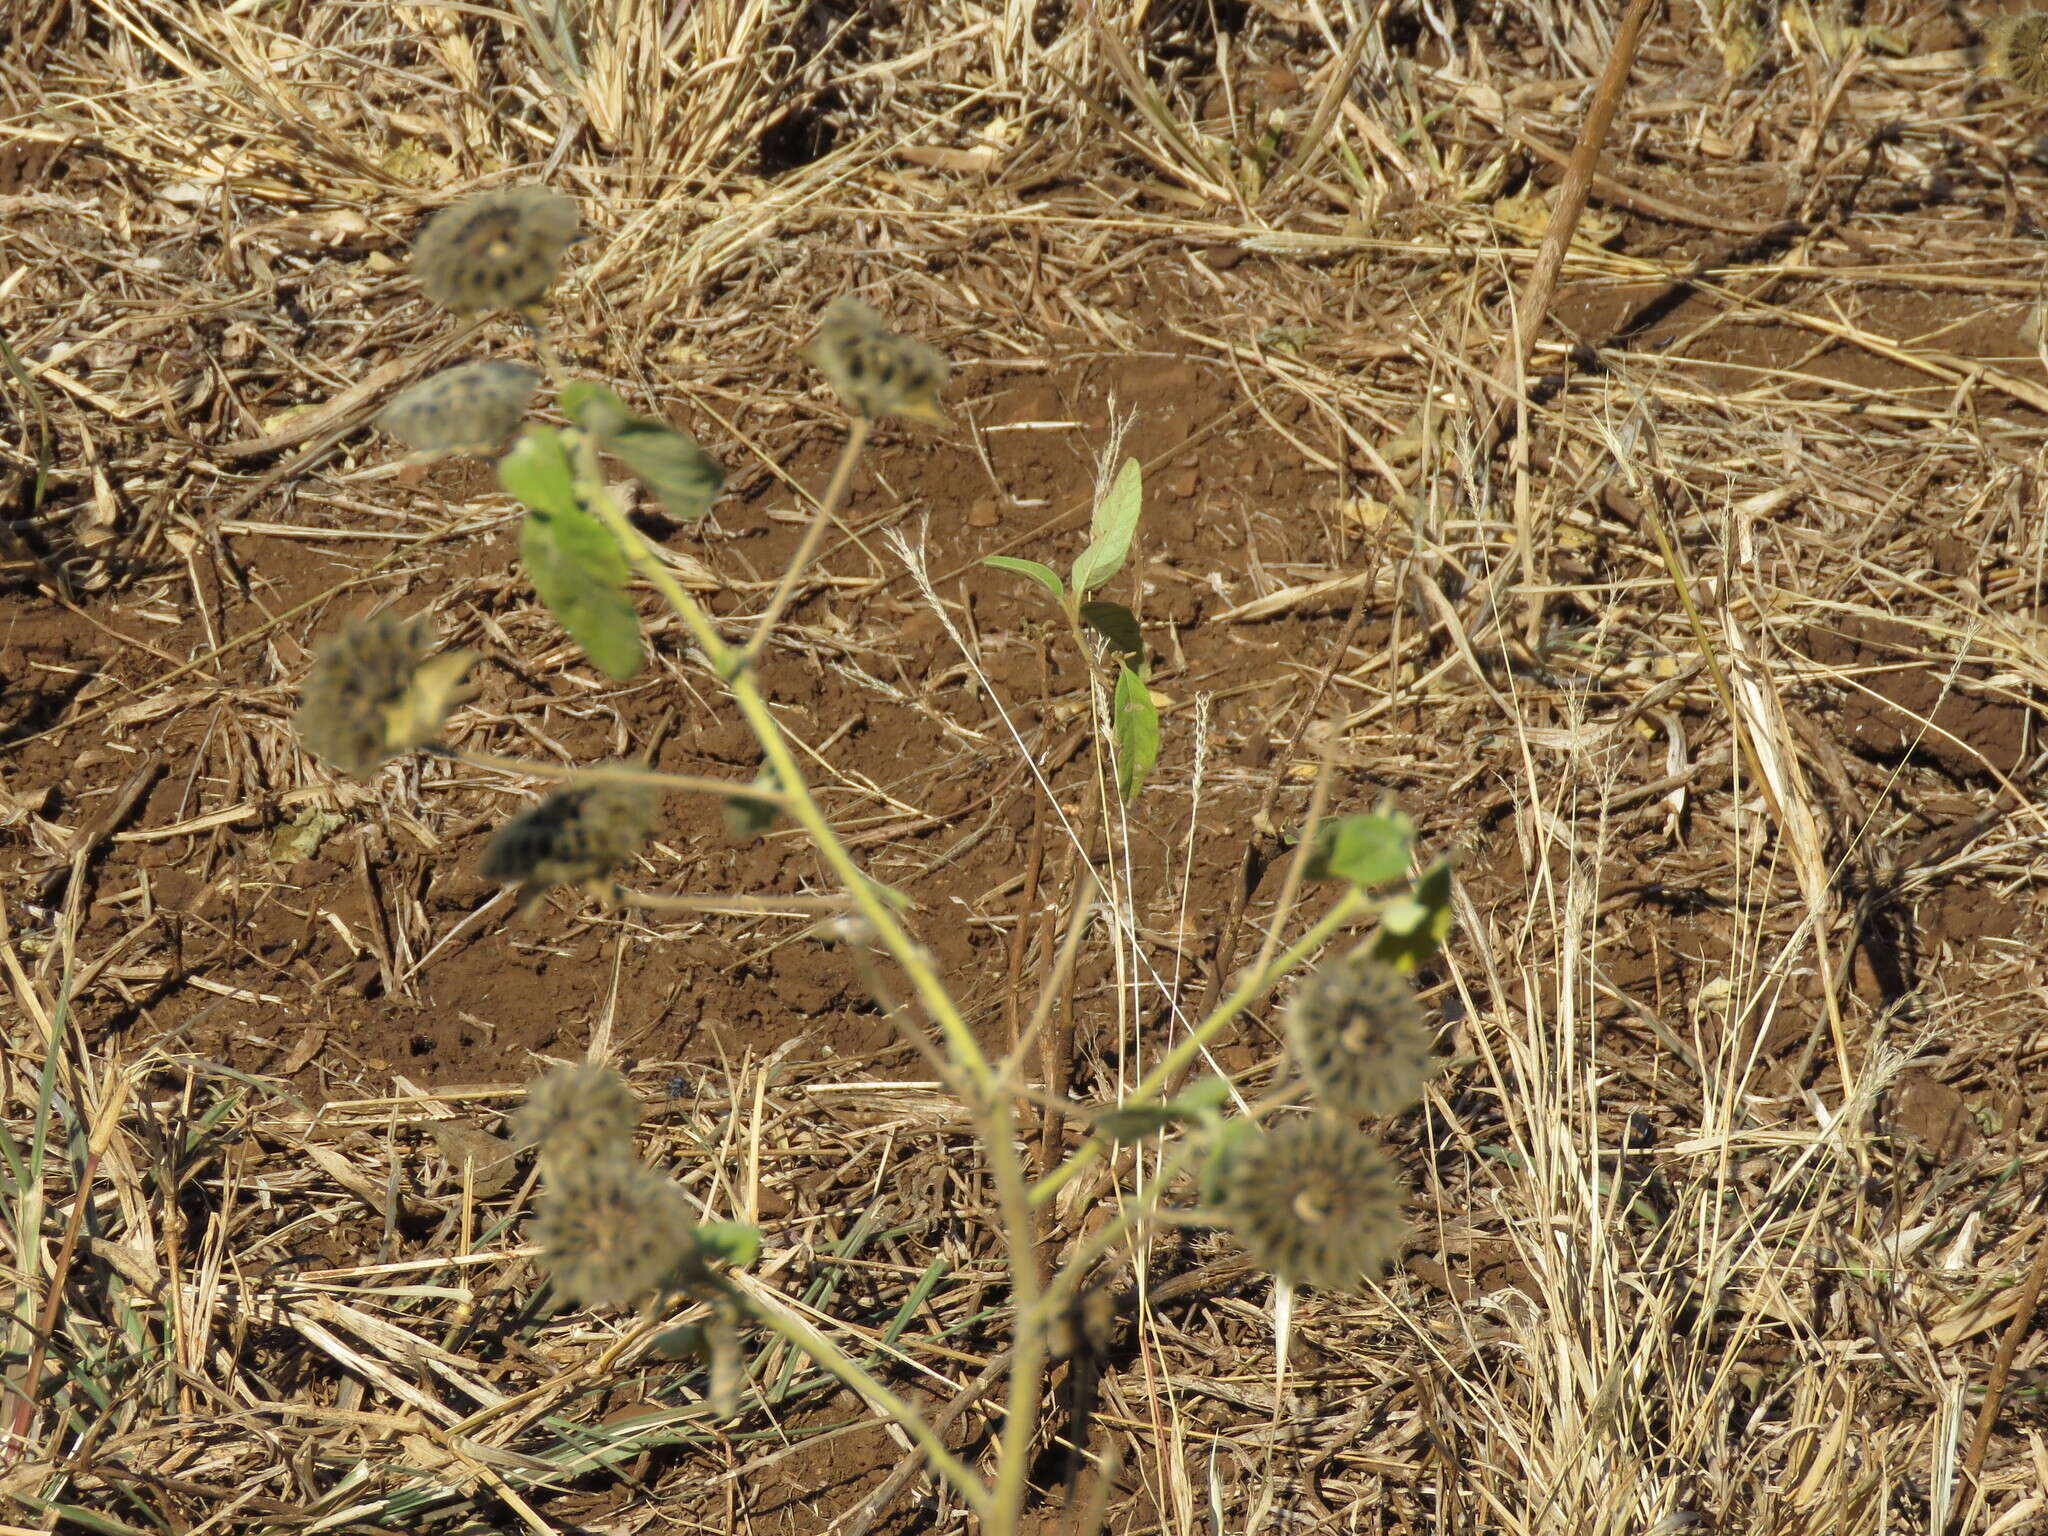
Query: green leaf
point(682, 476)
point(536, 471)
point(579, 571)
point(1109, 534)
point(1203, 1095)
point(734, 1242)
point(1233, 1139)
point(1413, 926)
point(1119, 626)
point(1134, 1122)
point(746, 817)
point(1044, 575)
point(1368, 851)
point(593, 407)
point(689, 1342)
point(1137, 733)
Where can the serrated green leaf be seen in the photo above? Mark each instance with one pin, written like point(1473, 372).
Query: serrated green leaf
point(1137, 733)
point(733, 1242)
point(537, 473)
point(1111, 529)
point(1369, 851)
point(1044, 575)
point(681, 476)
point(1119, 626)
point(579, 572)
point(1413, 926)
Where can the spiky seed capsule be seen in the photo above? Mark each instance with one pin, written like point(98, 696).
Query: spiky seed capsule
point(1360, 1036)
point(1316, 1202)
point(577, 836)
point(2016, 50)
point(472, 408)
point(576, 1114)
point(876, 371)
point(612, 1231)
point(496, 250)
point(377, 690)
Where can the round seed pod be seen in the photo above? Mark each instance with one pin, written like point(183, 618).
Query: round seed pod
point(578, 1113)
point(875, 371)
point(573, 837)
point(496, 250)
point(1316, 1202)
point(377, 690)
point(471, 408)
point(2016, 50)
point(1360, 1036)
point(612, 1231)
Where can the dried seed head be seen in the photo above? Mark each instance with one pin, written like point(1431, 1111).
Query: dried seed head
point(472, 408)
point(876, 371)
point(1360, 1036)
point(2016, 50)
point(1316, 1202)
point(612, 1232)
point(377, 690)
point(577, 1114)
point(496, 250)
point(577, 836)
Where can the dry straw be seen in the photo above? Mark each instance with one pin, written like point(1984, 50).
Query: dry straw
point(472, 408)
point(1360, 1036)
point(577, 836)
point(578, 1113)
point(376, 691)
point(497, 250)
point(1316, 1202)
point(612, 1231)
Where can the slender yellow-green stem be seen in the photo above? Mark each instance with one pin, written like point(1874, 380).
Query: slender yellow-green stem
point(814, 535)
point(835, 1361)
point(1028, 1328)
point(1255, 982)
point(619, 773)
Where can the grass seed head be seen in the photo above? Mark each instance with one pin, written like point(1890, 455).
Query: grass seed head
point(577, 836)
point(578, 1113)
point(612, 1231)
point(1316, 1202)
point(472, 408)
point(377, 690)
point(874, 370)
point(1360, 1036)
point(2016, 50)
point(496, 250)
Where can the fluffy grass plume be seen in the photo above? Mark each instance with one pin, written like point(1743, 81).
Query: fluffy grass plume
point(874, 370)
point(612, 1231)
point(578, 1113)
point(577, 836)
point(1360, 1036)
point(1316, 1202)
point(471, 408)
point(377, 690)
point(497, 250)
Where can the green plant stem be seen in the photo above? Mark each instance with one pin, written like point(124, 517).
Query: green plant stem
point(797, 800)
point(814, 535)
point(618, 773)
point(1028, 1326)
point(1252, 985)
point(836, 1362)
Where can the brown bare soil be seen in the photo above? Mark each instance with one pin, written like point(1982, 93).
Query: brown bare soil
point(1729, 1191)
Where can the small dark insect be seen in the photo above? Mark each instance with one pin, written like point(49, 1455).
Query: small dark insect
point(496, 250)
